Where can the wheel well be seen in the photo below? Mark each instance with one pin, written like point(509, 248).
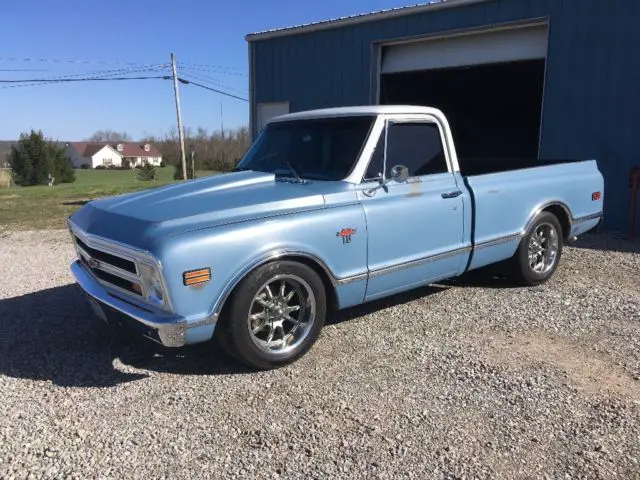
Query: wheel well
point(562, 216)
point(332, 297)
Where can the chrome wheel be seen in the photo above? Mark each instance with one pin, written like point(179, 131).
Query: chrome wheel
point(543, 248)
point(281, 314)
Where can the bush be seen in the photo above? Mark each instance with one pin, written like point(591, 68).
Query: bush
point(146, 173)
point(62, 170)
point(85, 166)
point(163, 163)
point(100, 167)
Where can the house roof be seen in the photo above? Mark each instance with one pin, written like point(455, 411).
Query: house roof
point(129, 149)
point(88, 149)
point(359, 18)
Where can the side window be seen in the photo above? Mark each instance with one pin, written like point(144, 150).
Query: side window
point(417, 146)
point(376, 164)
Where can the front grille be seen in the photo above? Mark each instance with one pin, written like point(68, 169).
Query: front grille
point(123, 283)
point(119, 262)
point(110, 268)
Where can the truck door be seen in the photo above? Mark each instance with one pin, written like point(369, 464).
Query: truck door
point(415, 227)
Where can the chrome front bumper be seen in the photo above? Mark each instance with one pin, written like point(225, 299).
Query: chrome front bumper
point(169, 330)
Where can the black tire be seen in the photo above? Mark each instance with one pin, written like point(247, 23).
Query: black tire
point(233, 330)
point(521, 269)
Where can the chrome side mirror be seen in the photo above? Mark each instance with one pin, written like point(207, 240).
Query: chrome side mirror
point(400, 173)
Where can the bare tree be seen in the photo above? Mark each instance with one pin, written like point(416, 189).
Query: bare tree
point(109, 135)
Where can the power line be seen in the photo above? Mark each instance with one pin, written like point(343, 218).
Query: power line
point(24, 70)
point(189, 82)
point(94, 74)
point(57, 60)
point(220, 67)
point(212, 70)
point(89, 79)
point(215, 81)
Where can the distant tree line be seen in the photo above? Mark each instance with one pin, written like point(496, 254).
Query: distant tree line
point(35, 160)
point(218, 150)
point(109, 136)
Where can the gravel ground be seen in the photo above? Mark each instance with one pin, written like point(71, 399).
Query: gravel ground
point(468, 379)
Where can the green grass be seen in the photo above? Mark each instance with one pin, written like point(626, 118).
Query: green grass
point(44, 207)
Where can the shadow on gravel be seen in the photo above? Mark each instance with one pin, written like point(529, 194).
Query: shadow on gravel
point(53, 335)
point(610, 241)
point(371, 307)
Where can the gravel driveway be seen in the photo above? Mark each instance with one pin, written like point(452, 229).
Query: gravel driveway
point(467, 379)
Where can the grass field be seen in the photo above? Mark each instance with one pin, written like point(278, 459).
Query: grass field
point(28, 208)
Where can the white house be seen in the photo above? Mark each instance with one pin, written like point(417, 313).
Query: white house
point(111, 155)
point(139, 153)
point(92, 154)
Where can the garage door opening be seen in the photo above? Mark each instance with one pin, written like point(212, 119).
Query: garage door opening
point(495, 111)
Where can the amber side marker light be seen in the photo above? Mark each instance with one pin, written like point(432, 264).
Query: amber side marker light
point(195, 277)
point(595, 196)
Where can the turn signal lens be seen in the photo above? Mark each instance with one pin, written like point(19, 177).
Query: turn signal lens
point(195, 277)
point(595, 196)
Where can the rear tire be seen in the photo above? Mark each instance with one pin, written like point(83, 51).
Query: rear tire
point(274, 316)
point(539, 252)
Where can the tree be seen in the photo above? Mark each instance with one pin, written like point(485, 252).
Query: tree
point(109, 136)
point(31, 160)
point(34, 158)
point(62, 170)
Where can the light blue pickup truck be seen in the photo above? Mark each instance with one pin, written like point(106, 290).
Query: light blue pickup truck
point(328, 209)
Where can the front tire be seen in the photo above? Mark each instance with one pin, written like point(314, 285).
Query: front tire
point(274, 316)
point(538, 255)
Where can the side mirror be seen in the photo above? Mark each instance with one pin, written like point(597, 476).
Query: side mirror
point(400, 173)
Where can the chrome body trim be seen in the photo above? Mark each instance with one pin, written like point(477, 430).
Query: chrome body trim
point(171, 329)
point(499, 241)
point(586, 218)
point(418, 262)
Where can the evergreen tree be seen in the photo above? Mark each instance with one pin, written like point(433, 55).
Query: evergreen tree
point(62, 170)
point(32, 159)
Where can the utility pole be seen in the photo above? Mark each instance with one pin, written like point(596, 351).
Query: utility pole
point(180, 131)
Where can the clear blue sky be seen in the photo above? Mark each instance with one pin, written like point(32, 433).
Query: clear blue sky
point(143, 32)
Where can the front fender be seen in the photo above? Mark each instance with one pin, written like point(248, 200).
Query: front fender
point(335, 238)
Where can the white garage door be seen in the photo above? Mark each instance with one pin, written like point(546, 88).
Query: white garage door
point(472, 49)
point(266, 111)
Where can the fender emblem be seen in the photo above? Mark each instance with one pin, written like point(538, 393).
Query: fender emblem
point(345, 234)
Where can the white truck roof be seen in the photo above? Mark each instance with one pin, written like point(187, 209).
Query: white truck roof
point(360, 110)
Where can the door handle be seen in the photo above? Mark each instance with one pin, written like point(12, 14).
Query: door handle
point(454, 194)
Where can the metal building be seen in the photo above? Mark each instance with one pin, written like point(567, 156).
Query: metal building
point(516, 78)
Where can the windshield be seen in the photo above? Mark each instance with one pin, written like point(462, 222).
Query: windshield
point(320, 149)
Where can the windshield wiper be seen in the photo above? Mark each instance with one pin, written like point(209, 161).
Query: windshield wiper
point(293, 170)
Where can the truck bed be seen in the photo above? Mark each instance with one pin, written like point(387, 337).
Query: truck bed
point(483, 166)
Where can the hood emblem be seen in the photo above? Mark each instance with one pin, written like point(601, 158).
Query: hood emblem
point(346, 234)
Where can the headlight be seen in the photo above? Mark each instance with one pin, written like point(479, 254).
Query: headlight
point(153, 290)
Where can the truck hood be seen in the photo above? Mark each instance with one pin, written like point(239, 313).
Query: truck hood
point(140, 219)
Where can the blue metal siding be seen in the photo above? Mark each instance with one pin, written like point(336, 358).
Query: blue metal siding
point(592, 93)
